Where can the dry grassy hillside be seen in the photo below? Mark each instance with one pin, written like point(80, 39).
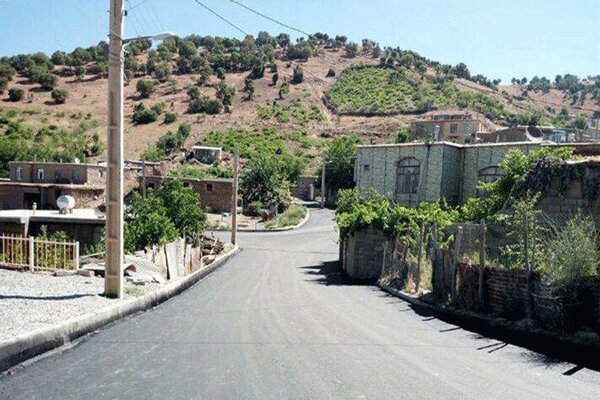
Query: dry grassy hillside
point(87, 100)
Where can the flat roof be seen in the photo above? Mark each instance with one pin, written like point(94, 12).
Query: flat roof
point(54, 163)
point(78, 216)
point(207, 147)
point(507, 144)
point(188, 179)
point(84, 186)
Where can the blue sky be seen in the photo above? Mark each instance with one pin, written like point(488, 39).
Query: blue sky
point(499, 39)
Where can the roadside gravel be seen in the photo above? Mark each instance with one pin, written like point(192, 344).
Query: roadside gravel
point(31, 301)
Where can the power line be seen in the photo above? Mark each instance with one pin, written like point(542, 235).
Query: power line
point(221, 17)
point(137, 5)
point(270, 18)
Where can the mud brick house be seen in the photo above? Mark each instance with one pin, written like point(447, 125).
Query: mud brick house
point(43, 182)
point(215, 194)
point(413, 172)
point(457, 128)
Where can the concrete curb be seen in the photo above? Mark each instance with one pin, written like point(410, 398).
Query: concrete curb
point(34, 343)
point(287, 228)
point(581, 350)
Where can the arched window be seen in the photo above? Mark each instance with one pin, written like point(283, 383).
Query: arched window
point(407, 176)
point(490, 174)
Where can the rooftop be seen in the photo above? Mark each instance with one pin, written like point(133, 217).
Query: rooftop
point(79, 215)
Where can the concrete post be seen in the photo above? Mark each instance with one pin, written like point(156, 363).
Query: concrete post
point(323, 183)
point(31, 253)
point(236, 167)
point(480, 292)
point(113, 281)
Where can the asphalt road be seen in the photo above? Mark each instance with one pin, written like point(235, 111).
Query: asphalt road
point(278, 322)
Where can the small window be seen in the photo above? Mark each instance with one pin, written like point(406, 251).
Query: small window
point(209, 187)
point(76, 176)
point(19, 173)
point(57, 175)
point(366, 167)
point(40, 174)
point(469, 129)
point(453, 129)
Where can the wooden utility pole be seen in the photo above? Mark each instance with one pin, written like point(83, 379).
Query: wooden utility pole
point(234, 200)
point(323, 183)
point(143, 185)
point(482, 265)
point(113, 281)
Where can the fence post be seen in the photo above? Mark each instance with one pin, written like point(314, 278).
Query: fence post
point(528, 300)
point(76, 255)
point(31, 253)
point(457, 243)
point(482, 265)
point(419, 256)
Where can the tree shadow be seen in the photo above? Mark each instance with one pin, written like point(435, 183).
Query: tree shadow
point(329, 273)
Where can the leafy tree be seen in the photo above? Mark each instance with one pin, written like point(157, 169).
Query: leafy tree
point(3, 84)
point(147, 223)
point(220, 73)
point(249, 88)
point(204, 73)
point(163, 71)
point(79, 72)
point(60, 95)
point(145, 88)
point(183, 207)
point(258, 71)
point(194, 93)
point(46, 80)
point(263, 180)
point(198, 105)
point(283, 40)
point(339, 169)
point(298, 76)
point(16, 94)
point(225, 94)
point(579, 122)
point(351, 50)
point(340, 40)
point(58, 57)
point(460, 70)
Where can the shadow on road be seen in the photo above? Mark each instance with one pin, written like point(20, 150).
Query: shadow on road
point(329, 273)
point(65, 297)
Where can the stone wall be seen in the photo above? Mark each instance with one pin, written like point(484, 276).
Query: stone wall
point(361, 255)
point(305, 187)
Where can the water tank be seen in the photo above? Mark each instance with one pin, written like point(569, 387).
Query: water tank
point(65, 204)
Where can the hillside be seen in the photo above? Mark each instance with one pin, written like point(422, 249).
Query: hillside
point(374, 93)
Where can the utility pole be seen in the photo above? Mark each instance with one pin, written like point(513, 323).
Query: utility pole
point(234, 200)
point(113, 276)
point(323, 183)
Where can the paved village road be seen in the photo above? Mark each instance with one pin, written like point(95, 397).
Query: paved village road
point(278, 322)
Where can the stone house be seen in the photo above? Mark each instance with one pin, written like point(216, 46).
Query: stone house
point(216, 194)
point(413, 172)
point(457, 128)
point(43, 182)
point(207, 154)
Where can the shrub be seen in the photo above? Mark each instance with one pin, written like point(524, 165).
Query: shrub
point(213, 106)
point(143, 115)
point(298, 76)
point(3, 84)
point(16, 94)
point(145, 88)
point(198, 105)
point(60, 95)
point(46, 80)
point(170, 117)
point(290, 217)
point(163, 71)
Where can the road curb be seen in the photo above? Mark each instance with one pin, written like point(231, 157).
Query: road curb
point(287, 228)
point(581, 350)
point(34, 343)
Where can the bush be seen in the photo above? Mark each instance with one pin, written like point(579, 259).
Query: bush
point(298, 76)
point(3, 84)
point(198, 105)
point(213, 106)
point(143, 115)
point(16, 94)
point(290, 217)
point(60, 95)
point(170, 117)
point(145, 88)
point(46, 80)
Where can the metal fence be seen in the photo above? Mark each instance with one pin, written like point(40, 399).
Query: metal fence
point(38, 254)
